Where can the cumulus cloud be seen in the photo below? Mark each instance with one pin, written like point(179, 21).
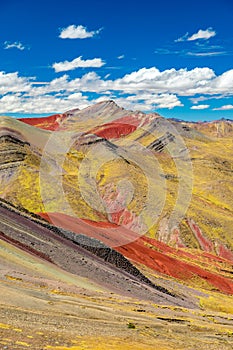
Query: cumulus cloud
point(200, 107)
point(148, 101)
point(224, 108)
point(18, 103)
point(224, 82)
point(201, 34)
point(181, 82)
point(77, 32)
point(77, 63)
point(15, 45)
point(146, 89)
point(11, 82)
point(121, 57)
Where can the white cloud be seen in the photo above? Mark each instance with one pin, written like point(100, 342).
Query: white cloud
point(15, 45)
point(206, 54)
point(224, 82)
point(78, 63)
point(18, 103)
point(11, 82)
point(201, 34)
point(121, 57)
point(181, 82)
point(200, 107)
point(149, 101)
point(77, 32)
point(196, 100)
point(224, 108)
point(145, 89)
point(183, 38)
point(197, 50)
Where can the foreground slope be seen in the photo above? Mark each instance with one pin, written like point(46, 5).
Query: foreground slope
point(48, 302)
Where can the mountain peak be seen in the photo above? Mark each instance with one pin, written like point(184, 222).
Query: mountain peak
point(108, 105)
point(93, 115)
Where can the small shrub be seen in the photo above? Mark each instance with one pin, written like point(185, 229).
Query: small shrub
point(131, 325)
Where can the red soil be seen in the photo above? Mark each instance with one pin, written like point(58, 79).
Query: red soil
point(205, 243)
point(47, 123)
point(175, 239)
point(149, 252)
point(111, 234)
point(116, 129)
point(113, 130)
point(132, 119)
point(172, 266)
point(224, 252)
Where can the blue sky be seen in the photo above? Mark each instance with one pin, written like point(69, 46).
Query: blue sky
point(173, 57)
